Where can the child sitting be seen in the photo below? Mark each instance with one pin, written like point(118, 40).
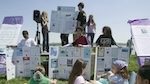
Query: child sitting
point(118, 74)
point(80, 40)
point(39, 78)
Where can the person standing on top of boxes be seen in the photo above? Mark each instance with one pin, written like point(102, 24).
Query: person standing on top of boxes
point(81, 19)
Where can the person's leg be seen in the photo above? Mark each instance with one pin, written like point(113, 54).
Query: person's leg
point(47, 41)
point(89, 37)
point(92, 38)
point(62, 39)
point(44, 40)
point(66, 38)
point(43, 33)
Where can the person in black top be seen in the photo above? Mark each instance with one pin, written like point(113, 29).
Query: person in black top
point(106, 39)
point(81, 19)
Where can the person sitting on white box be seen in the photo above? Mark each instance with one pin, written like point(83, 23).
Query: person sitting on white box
point(81, 40)
point(106, 39)
point(26, 42)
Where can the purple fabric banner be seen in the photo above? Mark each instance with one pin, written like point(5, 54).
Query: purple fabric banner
point(139, 22)
point(2, 64)
point(141, 59)
point(13, 20)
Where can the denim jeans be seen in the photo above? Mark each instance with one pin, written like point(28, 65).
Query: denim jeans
point(45, 40)
point(91, 36)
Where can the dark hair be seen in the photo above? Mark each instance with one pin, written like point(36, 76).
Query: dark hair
point(79, 29)
point(144, 72)
point(77, 70)
point(88, 23)
point(108, 31)
point(25, 31)
point(124, 72)
point(81, 4)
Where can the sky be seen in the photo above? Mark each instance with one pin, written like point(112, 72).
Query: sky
point(113, 13)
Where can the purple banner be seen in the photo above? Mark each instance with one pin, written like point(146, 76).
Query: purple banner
point(141, 59)
point(144, 21)
point(2, 64)
point(13, 20)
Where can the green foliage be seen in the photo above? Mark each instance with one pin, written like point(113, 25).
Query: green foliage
point(133, 64)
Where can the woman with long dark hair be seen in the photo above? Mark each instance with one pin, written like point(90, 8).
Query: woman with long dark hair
point(91, 29)
point(76, 75)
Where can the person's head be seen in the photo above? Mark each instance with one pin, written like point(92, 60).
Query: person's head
point(44, 14)
point(77, 70)
point(39, 72)
point(120, 67)
point(107, 31)
point(80, 6)
point(143, 75)
point(79, 31)
point(90, 20)
point(90, 17)
point(25, 34)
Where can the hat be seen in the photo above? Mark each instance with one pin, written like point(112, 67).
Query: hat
point(120, 64)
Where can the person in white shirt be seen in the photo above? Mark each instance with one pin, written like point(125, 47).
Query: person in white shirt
point(76, 76)
point(26, 42)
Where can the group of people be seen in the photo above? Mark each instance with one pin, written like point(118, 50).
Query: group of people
point(83, 37)
point(119, 74)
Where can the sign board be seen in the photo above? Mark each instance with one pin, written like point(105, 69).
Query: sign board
point(62, 59)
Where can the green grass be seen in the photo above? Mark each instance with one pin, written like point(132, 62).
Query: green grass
point(133, 66)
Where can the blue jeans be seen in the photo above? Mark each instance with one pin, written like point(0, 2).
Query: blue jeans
point(91, 36)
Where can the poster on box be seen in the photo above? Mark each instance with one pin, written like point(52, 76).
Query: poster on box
point(63, 22)
point(77, 52)
point(70, 51)
point(104, 63)
point(65, 60)
point(107, 52)
point(26, 51)
point(54, 51)
point(87, 53)
point(101, 52)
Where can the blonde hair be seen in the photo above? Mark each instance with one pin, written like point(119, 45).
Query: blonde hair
point(77, 70)
point(44, 14)
point(124, 73)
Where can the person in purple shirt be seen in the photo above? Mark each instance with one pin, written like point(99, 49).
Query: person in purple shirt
point(91, 29)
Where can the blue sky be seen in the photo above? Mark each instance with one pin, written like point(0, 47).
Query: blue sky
point(113, 13)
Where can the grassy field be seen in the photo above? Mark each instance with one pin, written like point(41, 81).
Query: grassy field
point(133, 66)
